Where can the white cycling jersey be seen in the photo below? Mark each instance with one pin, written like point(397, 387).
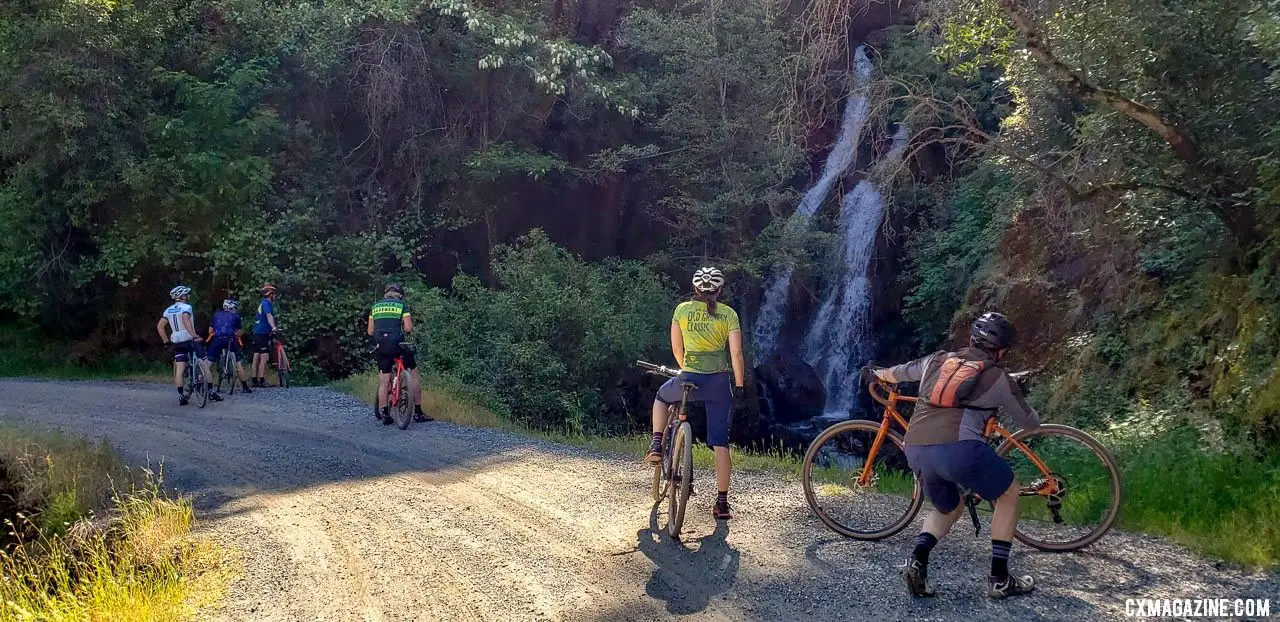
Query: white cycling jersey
point(174, 315)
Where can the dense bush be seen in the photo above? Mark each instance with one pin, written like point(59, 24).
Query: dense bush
point(553, 336)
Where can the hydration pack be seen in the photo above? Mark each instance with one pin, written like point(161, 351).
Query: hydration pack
point(953, 382)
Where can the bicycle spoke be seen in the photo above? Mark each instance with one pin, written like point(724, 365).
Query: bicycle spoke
point(876, 506)
point(1087, 490)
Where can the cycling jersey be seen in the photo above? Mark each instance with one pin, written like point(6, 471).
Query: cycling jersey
point(706, 337)
point(388, 319)
point(225, 323)
point(177, 332)
point(260, 324)
point(934, 425)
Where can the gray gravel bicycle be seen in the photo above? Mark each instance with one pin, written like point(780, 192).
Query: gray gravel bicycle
point(673, 476)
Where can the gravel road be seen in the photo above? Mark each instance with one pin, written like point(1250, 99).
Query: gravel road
point(339, 518)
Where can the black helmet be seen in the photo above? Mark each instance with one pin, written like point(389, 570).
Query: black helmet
point(992, 331)
point(394, 289)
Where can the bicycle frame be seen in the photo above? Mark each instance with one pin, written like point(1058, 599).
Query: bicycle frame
point(674, 419)
point(394, 386)
point(885, 394)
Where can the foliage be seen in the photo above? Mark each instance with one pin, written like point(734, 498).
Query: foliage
point(715, 78)
point(550, 339)
point(88, 538)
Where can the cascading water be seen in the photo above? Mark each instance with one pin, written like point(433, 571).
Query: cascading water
point(773, 310)
point(838, 342)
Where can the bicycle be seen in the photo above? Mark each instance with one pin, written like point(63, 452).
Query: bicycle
point(283, 369)
point(399, 398)
point(673, 476)
point(1083, 481)
point(195, 382)
point(227, 364)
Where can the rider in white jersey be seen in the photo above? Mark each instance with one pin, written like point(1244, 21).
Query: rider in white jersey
point(182, 334)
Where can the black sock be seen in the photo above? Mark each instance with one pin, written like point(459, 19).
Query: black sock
point(181, 392)
point(722, 498)
point(925, 542)
point(657, 440)
point(1000, 559)
point(417, 409)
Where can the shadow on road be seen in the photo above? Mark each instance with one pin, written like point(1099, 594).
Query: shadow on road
point(688, 575)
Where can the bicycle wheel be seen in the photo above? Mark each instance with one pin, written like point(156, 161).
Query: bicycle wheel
point(404, 405)
point(681, 485)
point(1087, 500)
point(658, 491)
point(282, 367)
point(832, 467)
point(232, 363)
point(200, 384)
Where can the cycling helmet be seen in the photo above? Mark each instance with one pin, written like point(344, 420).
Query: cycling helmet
point(992, 331)
point(267, 289)
point(179, 292)
point(708, 279)
point(230, 304)
point(394, 289)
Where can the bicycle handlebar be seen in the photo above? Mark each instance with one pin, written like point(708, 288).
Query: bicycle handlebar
point(657, 370)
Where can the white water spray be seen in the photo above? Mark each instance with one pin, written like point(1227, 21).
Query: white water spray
point(773, 310)
point(839, 340)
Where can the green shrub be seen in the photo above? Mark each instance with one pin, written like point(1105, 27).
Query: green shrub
point(552, 337)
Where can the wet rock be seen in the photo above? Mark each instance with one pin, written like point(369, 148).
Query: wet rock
point(791, 389)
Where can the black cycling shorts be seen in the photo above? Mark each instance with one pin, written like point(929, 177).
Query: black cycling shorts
point(262, 343)
point(387, 352)
point(182, 351)
point(224, 343)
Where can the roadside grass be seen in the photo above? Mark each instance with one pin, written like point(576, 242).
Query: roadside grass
point(450, 403)
point(1221, 505)
point(87, 538)
point(23, 352)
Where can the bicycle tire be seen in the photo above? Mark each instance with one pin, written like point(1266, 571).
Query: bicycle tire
point(201, 385)
point(232, 363)
point(282, 367)
point(404, 403)
point(811, 496)
point(221, 370)
point(681, 485)
point(1108, 461)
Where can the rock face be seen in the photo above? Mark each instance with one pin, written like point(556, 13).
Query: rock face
point(791, 390)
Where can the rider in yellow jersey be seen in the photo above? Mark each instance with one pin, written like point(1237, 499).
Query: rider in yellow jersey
point(706, 339)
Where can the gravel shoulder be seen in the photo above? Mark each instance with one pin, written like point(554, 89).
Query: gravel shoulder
point(339, 518)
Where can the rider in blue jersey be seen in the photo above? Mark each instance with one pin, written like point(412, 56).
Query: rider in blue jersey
point(224, 332)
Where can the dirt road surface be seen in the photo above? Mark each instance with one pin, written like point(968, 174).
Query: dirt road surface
point(339, 518)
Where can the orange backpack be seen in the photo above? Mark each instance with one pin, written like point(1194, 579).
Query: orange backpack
point(955, 382)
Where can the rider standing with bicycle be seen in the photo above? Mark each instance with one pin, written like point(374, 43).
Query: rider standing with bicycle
point(182, 334)
point(701, 332)
point(946, 448)
point(224, 333)
point(264, 325)
point(389, 323)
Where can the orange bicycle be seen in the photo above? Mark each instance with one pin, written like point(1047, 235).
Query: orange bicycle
point(860, 486)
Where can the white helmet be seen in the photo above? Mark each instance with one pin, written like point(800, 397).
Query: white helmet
point(230, 305)
point(179, 291)
point(708, 279)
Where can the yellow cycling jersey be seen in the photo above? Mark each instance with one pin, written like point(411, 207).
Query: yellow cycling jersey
point(706, 337)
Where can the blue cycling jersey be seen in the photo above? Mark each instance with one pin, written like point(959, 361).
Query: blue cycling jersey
point(225, 323)
point(260, 324)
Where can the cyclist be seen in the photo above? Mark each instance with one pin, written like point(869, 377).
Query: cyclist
point(945, 446)
point(264, 325)
point(224, 332)
point(182, 334)
point(701, 331)
point(389, 323)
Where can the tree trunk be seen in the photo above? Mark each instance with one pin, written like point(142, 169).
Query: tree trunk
point(1237, 216)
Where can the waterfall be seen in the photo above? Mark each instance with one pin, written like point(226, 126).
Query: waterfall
point(839, 340)
point(774, 308)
